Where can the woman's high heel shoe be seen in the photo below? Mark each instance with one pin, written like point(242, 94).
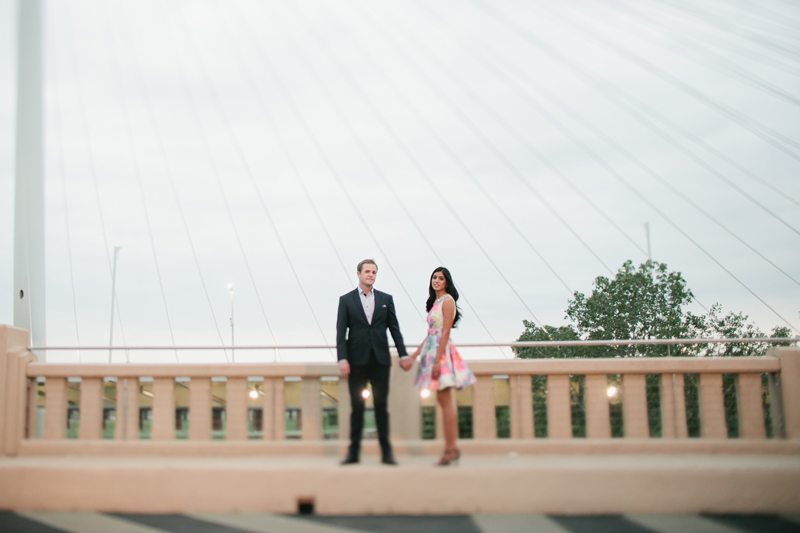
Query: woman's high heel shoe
point(449, 457)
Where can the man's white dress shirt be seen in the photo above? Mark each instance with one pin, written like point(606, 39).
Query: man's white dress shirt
point(368, 303)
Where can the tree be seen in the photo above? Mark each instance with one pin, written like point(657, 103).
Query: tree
point(645, 303)
point(638, 303)
point(534, 333)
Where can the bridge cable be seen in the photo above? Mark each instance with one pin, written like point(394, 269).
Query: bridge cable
point(528, 36)
point(365, 150)
point(500, 156)
point(270, 120)
point(765, 13)
point(90, 151)
point(243, 159)
point(138, 177)
point(638, 109)
point(477, 52)
point(688, 51)
point(337, 178)
point(442, 67)
point(173, 188)
point(344, 72)
point(62, 171)
point(247, 265)
point(730, 27)
point(752, 125)
point(717, 153)
point(594, 82)
point(704, 35)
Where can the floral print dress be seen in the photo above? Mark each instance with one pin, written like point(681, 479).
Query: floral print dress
point(453, 372)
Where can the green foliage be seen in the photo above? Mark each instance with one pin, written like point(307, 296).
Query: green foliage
point(639, 303)
point(464, 422)
point(539, 406)
point(644, 302)
point(533, 333)
point(577, 406)
point(653, 391)
point(503, 416)
point(428, 422)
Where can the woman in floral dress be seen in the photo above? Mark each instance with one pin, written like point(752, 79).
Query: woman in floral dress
point(441, 369)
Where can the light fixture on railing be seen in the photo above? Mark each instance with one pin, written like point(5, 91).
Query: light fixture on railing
point(612, 391)
point(254, 394)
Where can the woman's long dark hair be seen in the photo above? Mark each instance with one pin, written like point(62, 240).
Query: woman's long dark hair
point(450, 288)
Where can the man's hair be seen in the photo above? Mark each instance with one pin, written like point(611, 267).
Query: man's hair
point(367, 262)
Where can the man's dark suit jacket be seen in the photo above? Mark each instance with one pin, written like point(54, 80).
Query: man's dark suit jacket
point(355, 346)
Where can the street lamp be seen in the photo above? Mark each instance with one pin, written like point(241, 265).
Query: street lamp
point(113, 298)
point(233, 357)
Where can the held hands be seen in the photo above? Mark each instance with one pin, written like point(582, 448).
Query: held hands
point(344, 367)
point(407, 362)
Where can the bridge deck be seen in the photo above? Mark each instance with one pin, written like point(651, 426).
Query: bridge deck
point(552, 484)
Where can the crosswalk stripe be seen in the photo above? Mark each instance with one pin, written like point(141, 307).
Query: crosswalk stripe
point(672, 523)
point(87, 523)
point(264, 523)
point(517, 524)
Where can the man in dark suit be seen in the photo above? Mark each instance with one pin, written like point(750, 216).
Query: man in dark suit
point(364, 355)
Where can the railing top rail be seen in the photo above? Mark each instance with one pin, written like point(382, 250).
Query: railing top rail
point(632, 365)
point(526, 344)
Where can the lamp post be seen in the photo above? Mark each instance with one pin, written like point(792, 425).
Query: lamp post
point(233, 356)
point(113, 297)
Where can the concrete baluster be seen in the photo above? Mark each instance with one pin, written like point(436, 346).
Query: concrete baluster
point(91, 409)
point(274, 422)
point(559, 408)
point(776, 405)
point(278, 409)
point(55, 408)
point(750, 406)
point(790, 389)
point(14, 358)
point(200, 409)
point(521, 406)
point(634, 406)
point(405, 411)
point(712, 407)
point(681, 425)
point(236, 409)
point(598, 419)
point(311, 405)
point(16, 397)
point(132, 417)
point(33, 408)
point(668, 413)
point(344, 409)
point(673, 407)
point(484, 419)
point(163, 409)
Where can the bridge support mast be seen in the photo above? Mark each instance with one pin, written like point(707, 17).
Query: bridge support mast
point(29, 244)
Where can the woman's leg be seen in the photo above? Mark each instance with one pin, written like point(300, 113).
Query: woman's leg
point(445, 399)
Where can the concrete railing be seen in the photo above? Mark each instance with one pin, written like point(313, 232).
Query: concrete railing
point(36, 400)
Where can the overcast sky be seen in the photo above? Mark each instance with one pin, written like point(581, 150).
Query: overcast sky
point(523, 145)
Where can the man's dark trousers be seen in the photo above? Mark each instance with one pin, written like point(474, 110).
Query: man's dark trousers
point(378, 375)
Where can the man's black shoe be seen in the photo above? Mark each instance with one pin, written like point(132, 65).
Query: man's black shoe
point(351, 459)
point(388, 459)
